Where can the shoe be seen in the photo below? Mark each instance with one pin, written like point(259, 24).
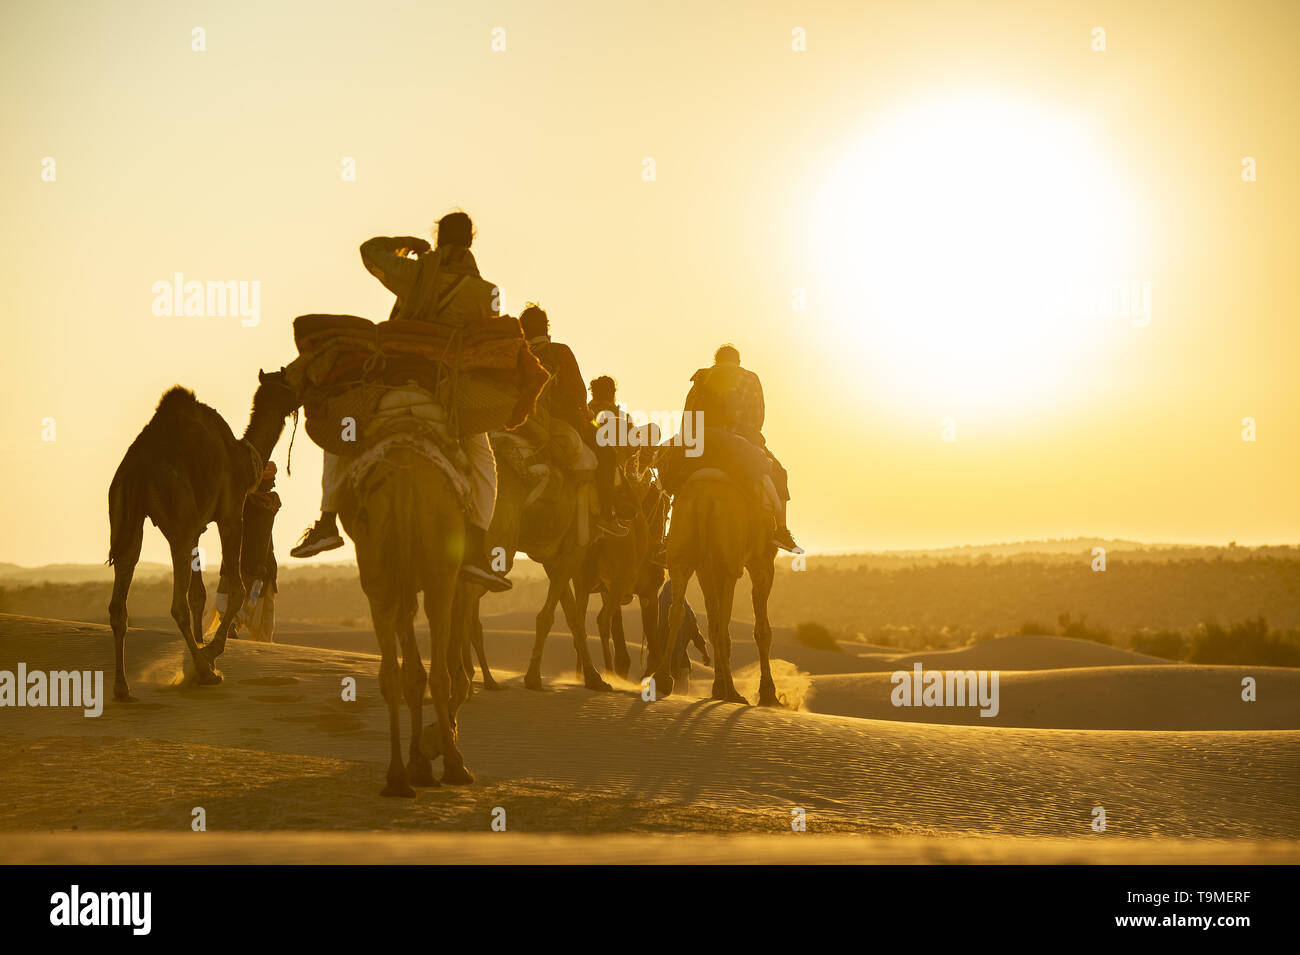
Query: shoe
point(474, 566)
point(659, 556)
point(785, 540)
point(485, 577)
point(317, 539)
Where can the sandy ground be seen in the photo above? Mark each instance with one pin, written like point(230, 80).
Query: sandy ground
point(275, 751)
point(424, 848)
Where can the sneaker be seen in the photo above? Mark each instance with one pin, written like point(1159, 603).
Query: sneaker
point(785, 540)
point(317, 539)
point(485, 577)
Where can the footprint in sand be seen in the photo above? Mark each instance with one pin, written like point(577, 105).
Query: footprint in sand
point(333, 723)
point(271, 681)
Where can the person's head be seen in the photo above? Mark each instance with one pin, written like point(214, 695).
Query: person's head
point(455, 230)
point(603, 388)
point(727, 355)
point(534, 322)
point(268, 477)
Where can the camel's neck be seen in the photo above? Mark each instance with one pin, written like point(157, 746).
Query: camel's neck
point(264, 430)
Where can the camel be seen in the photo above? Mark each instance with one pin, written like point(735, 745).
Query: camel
point(409, 530)
point(719, 532)
point(621, 569)
point(550, 536)
point(184, 471)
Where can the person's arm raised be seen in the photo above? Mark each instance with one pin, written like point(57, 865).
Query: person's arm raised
point(385, 257)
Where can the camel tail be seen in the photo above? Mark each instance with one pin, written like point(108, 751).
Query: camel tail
point(126, 512)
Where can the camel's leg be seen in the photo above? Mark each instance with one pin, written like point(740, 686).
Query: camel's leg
point(437, 607)
point(649, 600)
point(123, 570)
point(419, 767)
point(574, 602)
point(474, 629)
point(760, 580)
point(182, 554)
point(476, 638)
point(231, 531)
point(622, 662)
point(198, 597)
point(676, 613)
point(460, 662)
point(604, 625)
point(719, 611)
point(383, 612)
point(545, 620)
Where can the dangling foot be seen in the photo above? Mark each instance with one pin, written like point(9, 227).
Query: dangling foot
point(659, 556)
point(785, 540)
point(320, 537)
point(486, 577)
point(476, 568)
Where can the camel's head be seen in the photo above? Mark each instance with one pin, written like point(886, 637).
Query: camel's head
point(275, 392)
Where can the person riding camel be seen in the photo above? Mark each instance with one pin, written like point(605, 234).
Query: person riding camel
point(573, 436)
point(731, 398)
point(604, 406)
point(442, 285)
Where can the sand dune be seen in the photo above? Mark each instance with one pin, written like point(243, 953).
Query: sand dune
point(275, 748)
point(1173, 697)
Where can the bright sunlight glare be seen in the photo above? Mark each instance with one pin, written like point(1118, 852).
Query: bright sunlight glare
point(971, 250)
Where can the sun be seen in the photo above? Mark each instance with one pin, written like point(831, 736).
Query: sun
point(955, 242)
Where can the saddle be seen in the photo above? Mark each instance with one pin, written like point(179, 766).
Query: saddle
point(482, 373)
point(409, 417)
point(720, 450)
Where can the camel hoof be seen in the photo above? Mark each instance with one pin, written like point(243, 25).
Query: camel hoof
point(494, 685)
point(728, 695)
point(123, 695)
point(767, 697)
point(533, 680)
point(209, 678)
point(459, 776)
point(593, 681)
point(663, 685)
point(431, 742)
point(402, 790)
point(420, 773)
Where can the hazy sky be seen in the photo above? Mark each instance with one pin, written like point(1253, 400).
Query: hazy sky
point(925, 180)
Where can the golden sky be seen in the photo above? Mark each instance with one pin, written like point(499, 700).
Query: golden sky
point(924, 178)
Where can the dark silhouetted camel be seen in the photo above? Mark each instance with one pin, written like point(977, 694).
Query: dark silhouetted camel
point(621, 569)
point(557, 545)
point(185, 470)
point(409, 529)
point(719, 532)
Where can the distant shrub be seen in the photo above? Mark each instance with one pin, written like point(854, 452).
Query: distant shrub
point(1246, 643)
point(1079, 629)
point(1166, 644)
point(1032, 628)
point(817, 637)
